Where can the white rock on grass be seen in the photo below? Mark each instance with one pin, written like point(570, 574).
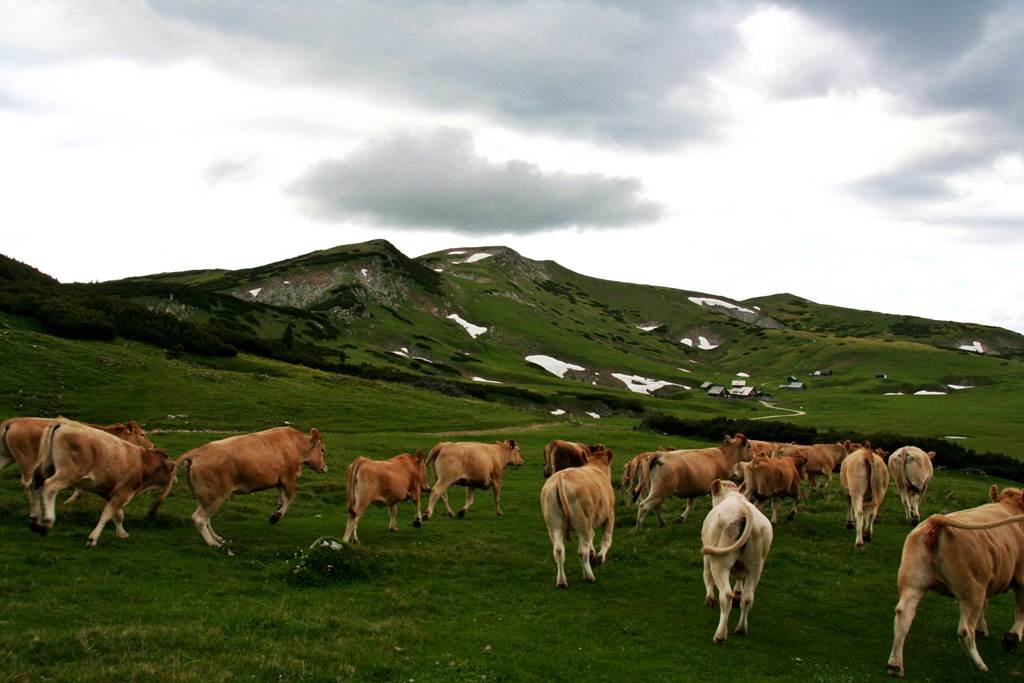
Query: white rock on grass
point(438, 270)
point(976, 347)
point(558, 412)
point(642, 385)
point(960, 387)
point(707, 301)
point(553, 365)
point(594, 415)
point(473, 330)
point(486, 381)
point(925, 392)
point(684, 370)
point(742, 374)
point(893, 393)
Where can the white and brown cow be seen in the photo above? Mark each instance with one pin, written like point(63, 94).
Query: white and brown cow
point(74, 454)
point(559, 454)
point(383, 483)
point(911, 470)
point(19, 444)
point(736, 537)
point(247, 463)
point(821, 460)
point(686, 474)
point(470, 464)
point(770, 479)
point(971, 555)
point(865, 480)
point(580, 499)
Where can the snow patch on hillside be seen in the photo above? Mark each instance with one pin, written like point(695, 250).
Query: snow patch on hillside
point(478, 257)
point(742, 374)
point(976, 347)
point(553, 365)
point(255, 292)
point(893, 393)
point(960, 387)
point(642, 385)
point(648, 328)
point(473, 330)
point(702, 343)
point(684, 370)
point(438, 270)
point(456, 253)
point(707, 301)
point(594, 415)
point(486, 381)
point(926, 392)
point(404, 353)
point(558, 412)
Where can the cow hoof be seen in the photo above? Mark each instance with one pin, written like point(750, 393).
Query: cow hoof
point(394, 531)
point(1011, 642)
point(591, 579)
point(561, 585)
point(849, 525)
point(720, 641)
point(860, 544)
point(416, 523)
point(711, 601)
point(740, 631)
point(462, 513)
point(867, 538)
point(275, 518)
point(914, 521)
point(980, 634)
point(895, 670)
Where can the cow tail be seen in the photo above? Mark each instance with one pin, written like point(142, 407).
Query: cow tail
point(5, 451)
point(187, 460)
point(549, 466)
point(869, 464)
point(44, 461)
point(563, 501)
point(431, 457)
point(350, 486)
point(644, 476)
point(748, 527)
point(942, 520)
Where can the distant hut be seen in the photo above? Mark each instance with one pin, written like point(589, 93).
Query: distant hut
point(743, 392)
point(717, 390)
point(881, 375)
point(794, 385)
point(739, 382)
point(706, 385)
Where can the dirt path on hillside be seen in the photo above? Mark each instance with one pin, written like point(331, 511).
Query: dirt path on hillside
point(790, 412)
point(464, 432)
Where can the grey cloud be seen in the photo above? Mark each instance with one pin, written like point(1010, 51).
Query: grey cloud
point(232, 168)
point(437, 180)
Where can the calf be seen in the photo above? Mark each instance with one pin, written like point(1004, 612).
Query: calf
point(247, 463)
point(821, 460)
point(687, 474)
point(473, 465)
point(911, 470)
point(78, 455)
point(559, 455)
point(580, 498)
point(773, 478)
point(865, 481)
point(971, 555)
point(370, 482)
point(736, 537)
point(19, 443)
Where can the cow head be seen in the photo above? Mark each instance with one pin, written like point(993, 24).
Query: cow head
point(421, 471)
point(931, 455)
point(799, 461)
point(314, 455)
point(600, 455)
point(515, 458)
point(158, 470)
point(1010, 495)
point(738, 445)
point(722, 489)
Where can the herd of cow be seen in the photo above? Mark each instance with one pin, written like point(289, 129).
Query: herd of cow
point(971, 555)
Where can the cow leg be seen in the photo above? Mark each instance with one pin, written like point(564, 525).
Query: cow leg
point(393, 511)
point(645, 506)
point(47, 500)
point(870, 513)
point(110, 511)
point(775, 511)
point(556, 532)
point(709, 584)
point(119, 524)
point(439, 491)
point(858, 520)
point(747, 595)
point(285, 494)
point(418, 519)
point(497, 498)
point(606, 538)
point(351, 525)
point(469, 502)
point(970, 607)
point(690, 502)
point(1011, 641)
point(720, 575)
point(74, 496)
point(796, 507)
point(915, 508)
point(586, 548)
point(981, 628)
point(850, 523)
point(906, 609)
point(201, 518)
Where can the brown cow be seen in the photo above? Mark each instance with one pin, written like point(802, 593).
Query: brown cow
point(631, 472)
point(19, 443)
point(387, 483)
point(763, 448)
point(866, 480)
point(79, 455)
point(687, 474)
point(971, 555)
point(247, 463)
point(911, 470)
point(559, 454)
point(773, 478)
point(580, 498)
point(470, 464)
point(822, 459)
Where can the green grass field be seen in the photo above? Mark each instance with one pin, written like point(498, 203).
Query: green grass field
point(469, 599)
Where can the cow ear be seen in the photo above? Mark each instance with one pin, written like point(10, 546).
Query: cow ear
point(419, 455)
point(993, 493)
point(931, 455)
point(716, 487)
point(512, 443)
point(314, 435)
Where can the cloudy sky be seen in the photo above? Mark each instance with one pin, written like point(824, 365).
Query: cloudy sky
point(866, 154)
